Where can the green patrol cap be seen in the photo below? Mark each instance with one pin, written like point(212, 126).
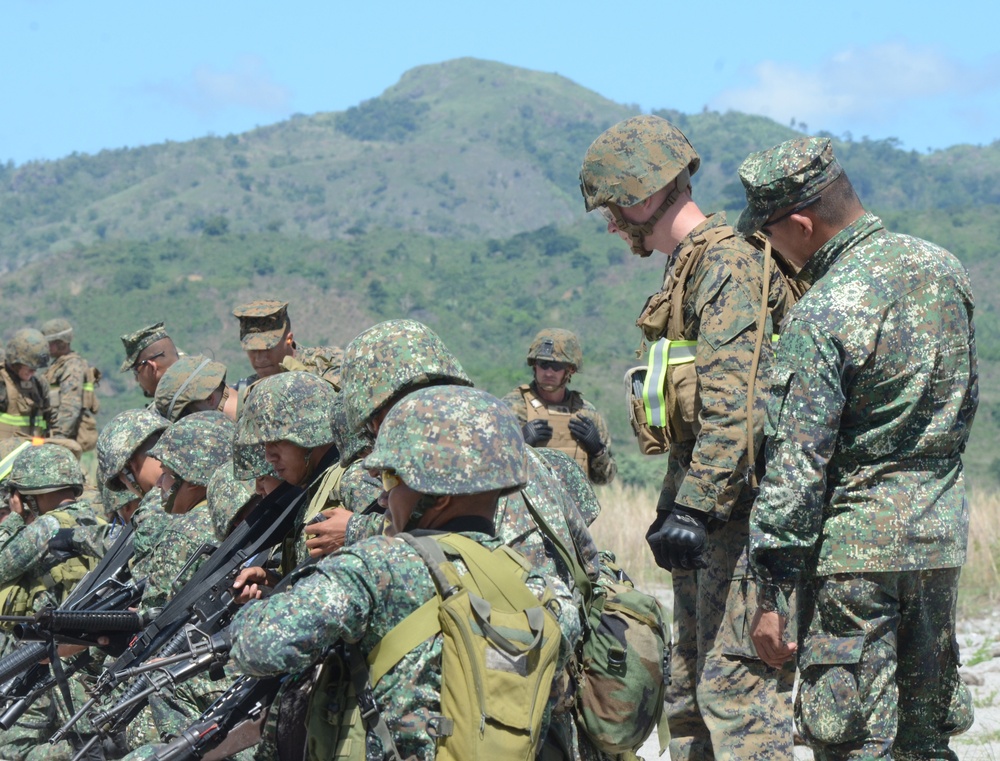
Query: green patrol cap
point(782, 176)
point(190, 379)
point(262, 323)
point(135, 342)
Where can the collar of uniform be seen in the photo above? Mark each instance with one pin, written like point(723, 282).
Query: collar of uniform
point(716, 219)
point(468, 524)
point(821, 262)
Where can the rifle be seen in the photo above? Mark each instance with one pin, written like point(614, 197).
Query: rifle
point(108, 585)
point(204, 606)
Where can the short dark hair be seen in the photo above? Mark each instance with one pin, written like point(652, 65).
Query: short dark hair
point(839, 202)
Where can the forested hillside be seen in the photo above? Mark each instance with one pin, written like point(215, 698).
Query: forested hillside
point(451, 198)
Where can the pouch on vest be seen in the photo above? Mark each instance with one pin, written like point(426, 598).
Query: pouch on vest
point(651, 441)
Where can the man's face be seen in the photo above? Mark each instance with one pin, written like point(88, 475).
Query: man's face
point(23, 372)
point(551, 375)
point(401, 500)
point(267, 362)
point(288, 460)
point(144, 469)
point(634, 214)
point(58, 348)
point(264, 485)
point(187, 494)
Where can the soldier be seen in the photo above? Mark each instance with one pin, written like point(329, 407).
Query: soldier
point(553, 416)
point(72, 383)
point(194, 384)
point(267, 338)
point(446, 456)
point(45, 483)
point(149, 353)
point(874, 389)
point(25, 409)
point(722, 700)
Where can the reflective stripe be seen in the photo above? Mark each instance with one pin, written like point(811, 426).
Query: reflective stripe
point(20, 421)
point(8, 462)
point(662, 355)
point(88, 386)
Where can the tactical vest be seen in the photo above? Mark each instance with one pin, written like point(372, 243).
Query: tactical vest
point(670, 390)
point(86, 433)
point(558, 416)
point(24, 416)
point(327, 486)
point(56, 576)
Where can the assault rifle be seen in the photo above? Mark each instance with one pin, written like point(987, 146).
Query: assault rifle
point(202, 608)
point(108, 589)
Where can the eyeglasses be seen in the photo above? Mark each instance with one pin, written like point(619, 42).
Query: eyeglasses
point(609, 216)
point(794, 210)
point(389, 480)
point(546, 364)
point(146, 361)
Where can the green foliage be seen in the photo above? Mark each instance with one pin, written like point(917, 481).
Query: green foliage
point(382, 119)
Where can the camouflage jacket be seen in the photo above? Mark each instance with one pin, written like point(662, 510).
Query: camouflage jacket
point(65, 377)
point(179, 539)
point(27, 547)
point(601, 469)
point(721, 308)
point(873, 392)
point(359, 595)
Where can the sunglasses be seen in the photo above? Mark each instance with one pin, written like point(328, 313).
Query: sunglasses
point(146, 361)
point(794, 210)
point(545, 364)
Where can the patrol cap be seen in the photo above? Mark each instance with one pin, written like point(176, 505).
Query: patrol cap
point(135, 343)
point(793, 171)
point(57, 330)
point(262, 323)
point(191, 378)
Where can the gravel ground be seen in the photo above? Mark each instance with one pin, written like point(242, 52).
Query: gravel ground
point(980, 644)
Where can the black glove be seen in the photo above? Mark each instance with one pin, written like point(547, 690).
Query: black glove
point(538, 431)
point(677, 540)
point(585, 432)
point(62, 541)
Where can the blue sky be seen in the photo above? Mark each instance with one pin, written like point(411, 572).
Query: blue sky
point(84, 76)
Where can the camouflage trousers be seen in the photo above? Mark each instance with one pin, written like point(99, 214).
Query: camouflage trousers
point(879, 666)
point(722, 701)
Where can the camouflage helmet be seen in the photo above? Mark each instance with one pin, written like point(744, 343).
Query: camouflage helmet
point(190, 379)
point(389, 359)
point(633, 159)
point(556, 345)
point(350, 444)
point(113, 501)
point(452, 440)
point(291, 406)
point(226, 496)
point(44, 468)
point(28, 347)
point(249, 461)
point(119, 440)
point(195, 446)
point(57, 330)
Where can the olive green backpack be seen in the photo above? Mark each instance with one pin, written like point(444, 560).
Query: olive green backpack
point(500, 646)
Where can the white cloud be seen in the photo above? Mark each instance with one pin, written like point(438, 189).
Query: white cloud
point(869, 84)
point(208, 90)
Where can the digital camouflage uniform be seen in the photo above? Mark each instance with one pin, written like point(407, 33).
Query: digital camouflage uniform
point(557, 345)
point(26, 562)
point(874, 389)
point(361, 593)
point(396, 357)
point(72, 391)
point(193, 448)
point(186, 383)
point(25, 408)
point(722, 701)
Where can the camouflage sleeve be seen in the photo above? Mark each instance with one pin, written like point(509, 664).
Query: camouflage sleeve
point(803, 420)
point(94, 540)
point(603, 468)
point(26, 548)
point(67, 414)
point(362, 526)
point(724, 356)
point(357, 489)
point(289, 631)
point(185, 537)
point(515, 400)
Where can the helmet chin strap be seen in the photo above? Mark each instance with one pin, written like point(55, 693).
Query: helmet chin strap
point(637, 232)
point(171, 496)
point(425, 503)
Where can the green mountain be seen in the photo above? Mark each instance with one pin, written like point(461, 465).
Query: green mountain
point(451, 198)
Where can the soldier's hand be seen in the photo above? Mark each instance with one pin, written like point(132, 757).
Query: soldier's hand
point(328, 534)
point(678, 542)
point(251, 583)
point(767, 632)
point(584, 430)
point(536, 432)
